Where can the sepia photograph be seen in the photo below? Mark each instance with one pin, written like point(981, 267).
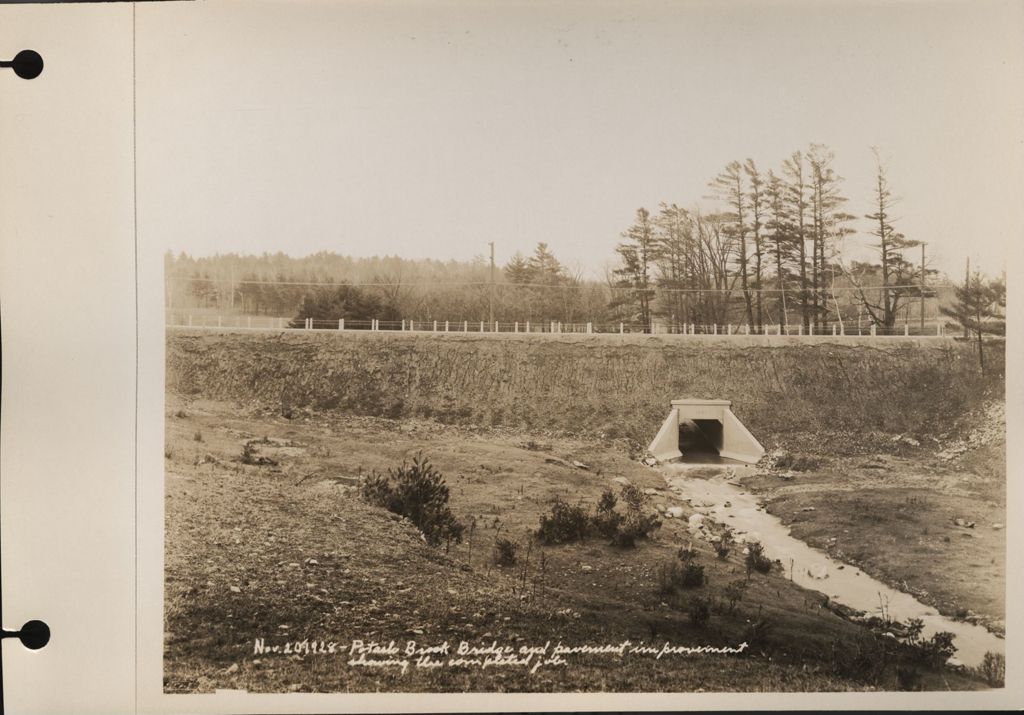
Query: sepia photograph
point(646, 347)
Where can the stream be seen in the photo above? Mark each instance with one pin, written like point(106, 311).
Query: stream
point(813, 568)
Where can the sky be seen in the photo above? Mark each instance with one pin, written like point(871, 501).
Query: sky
point(428, 129)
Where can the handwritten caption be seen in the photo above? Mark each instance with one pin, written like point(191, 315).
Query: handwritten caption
point(414, 655)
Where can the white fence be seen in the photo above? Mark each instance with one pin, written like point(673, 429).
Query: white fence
point(257, 322)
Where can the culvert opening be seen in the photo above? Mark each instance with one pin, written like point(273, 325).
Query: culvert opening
point(704, 431)
point(700, 441)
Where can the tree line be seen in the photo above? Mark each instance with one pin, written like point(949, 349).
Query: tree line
point(770, 249)
point(766, 248)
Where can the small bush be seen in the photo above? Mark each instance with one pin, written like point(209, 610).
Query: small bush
point(416, 491)
point(504, 552)
point(198, 436)
point(687, 554)
point(633, 496)
point(993, 669)
point(636, 523)
point(734, 592)
point(564, 524)
point(693, 576)
point(867, 658)
point(606, 519)
point(168, 453)
point(938, 649)
point(181, 414)
point(250, 455)
point(673, 576)
point(723, 545)
point(700, 612)
point(756, 560)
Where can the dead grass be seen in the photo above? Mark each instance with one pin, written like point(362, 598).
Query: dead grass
point(289, 552)
point(895, 518)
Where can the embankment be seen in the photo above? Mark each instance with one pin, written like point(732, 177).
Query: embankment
point(837, 393)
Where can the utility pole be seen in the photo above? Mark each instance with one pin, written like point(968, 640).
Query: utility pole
point(490, 302)
point(923, 244)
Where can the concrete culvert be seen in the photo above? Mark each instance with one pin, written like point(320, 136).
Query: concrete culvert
point(704, 431)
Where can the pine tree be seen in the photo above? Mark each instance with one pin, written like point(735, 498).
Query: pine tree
point(980, 308)
point(728, 187)
point(637, 253)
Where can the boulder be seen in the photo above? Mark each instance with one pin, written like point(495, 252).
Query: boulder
point(819, 572)
point(696, 520)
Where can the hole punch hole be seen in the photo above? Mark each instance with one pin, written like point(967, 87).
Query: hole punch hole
point(27, 64)
point(34, 635)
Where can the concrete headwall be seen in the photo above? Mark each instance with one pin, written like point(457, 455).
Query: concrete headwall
point(616, 385)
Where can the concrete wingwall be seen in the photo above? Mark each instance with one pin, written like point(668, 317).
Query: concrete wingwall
point(618, 386)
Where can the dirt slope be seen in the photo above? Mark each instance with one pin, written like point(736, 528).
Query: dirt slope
point(831, 393)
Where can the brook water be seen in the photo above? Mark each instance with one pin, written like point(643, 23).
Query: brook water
point(813, 568)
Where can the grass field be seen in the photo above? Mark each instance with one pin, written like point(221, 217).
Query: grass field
point(287, 552)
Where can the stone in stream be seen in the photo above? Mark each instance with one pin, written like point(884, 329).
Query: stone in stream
point(819, 572)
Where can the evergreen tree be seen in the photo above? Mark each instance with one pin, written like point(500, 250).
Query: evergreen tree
point(981, 309)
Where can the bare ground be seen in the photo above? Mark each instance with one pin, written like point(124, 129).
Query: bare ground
point(287, 553)
point(928, 520)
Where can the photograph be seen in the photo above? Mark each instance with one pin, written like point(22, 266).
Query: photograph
point(612, 347)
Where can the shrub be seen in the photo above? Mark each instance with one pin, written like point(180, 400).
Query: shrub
point(993, 669)
point(416, 491)
point(937, 650)
point(700, 612)
point(250, 455)
point(635, 523)
point(867, 658)
point(673, 576)
point(198, 436)
point(168, 453)
point(635, 499)
point(756, 560)
point(687, 554)
point(693, 576)
point(734, 592)
point(504, 552)
point(723, 545)
point(565, 523)
point(606, 519)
